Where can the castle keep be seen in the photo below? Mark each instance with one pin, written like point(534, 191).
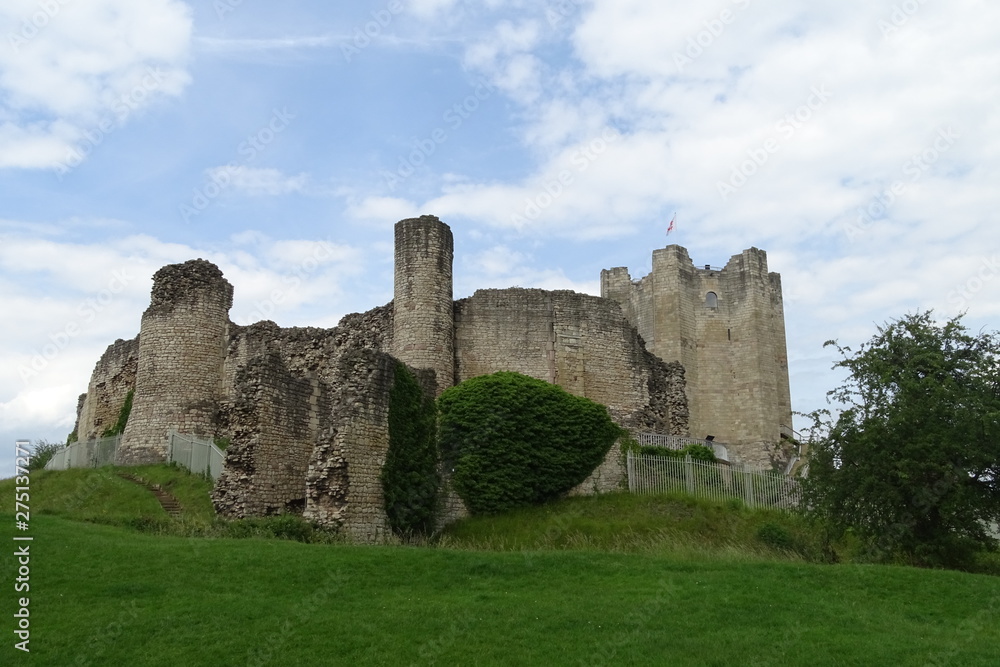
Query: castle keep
point(684, 351)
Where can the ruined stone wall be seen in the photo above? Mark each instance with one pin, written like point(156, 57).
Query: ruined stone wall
point(423, 329)
point(182, 345)
point(580, 342)
point(112, 379)
point(272, 419)
point(732, 344)
point(277, 385)
point(343, 486)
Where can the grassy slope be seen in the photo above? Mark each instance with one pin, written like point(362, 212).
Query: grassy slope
point(104, 595)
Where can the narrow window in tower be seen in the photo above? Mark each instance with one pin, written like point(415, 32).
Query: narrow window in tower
point(712, 300)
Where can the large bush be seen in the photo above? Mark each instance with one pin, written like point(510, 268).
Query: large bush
point(410, 478)
point(513, 441)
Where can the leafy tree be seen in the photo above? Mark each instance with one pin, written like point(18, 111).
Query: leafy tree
point(911, 463)
point(42, 453)
point(513, 441)
point(410, 477)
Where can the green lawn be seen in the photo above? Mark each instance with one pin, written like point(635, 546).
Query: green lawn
point(107, 595)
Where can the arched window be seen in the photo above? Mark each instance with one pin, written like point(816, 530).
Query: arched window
point(712, 300)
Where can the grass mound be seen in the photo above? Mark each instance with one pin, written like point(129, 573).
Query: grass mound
point(655, 524)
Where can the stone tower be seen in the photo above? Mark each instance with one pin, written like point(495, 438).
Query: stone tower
point(182, 345)
point(424, 321)
point(727, 327)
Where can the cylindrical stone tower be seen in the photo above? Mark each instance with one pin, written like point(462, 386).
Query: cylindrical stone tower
point(424, 318)
point(182, 346)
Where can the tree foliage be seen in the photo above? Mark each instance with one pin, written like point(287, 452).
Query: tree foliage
point(41, 453)
point(911, 462)
point(513, 441)
point(410, 477)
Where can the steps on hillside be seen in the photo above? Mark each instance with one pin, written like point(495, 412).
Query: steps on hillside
point(167, 501)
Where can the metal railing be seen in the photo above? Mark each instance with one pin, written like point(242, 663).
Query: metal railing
point(680, 442)
point(199, 455)
point(663, 474)
point(86, 454)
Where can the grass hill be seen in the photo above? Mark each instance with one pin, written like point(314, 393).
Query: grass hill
point(608, 580)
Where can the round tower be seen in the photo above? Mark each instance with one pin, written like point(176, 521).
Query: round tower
point(182, 346)
point(424, 320)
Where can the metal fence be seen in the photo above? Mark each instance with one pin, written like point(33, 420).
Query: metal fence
point(86, 454)
point(680, 442)
point(199, 455)
point(718, 481)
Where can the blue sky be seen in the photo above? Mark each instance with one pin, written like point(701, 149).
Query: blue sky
point(857, 142)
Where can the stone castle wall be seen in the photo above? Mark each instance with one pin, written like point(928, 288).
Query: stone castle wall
point(726, 327)
point(112, 379)
point(306, 409)
point(580, 342)
point(182, 345)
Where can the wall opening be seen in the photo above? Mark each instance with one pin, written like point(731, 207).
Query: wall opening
point(712, 300)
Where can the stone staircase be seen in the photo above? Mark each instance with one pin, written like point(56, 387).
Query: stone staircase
point(167, 501)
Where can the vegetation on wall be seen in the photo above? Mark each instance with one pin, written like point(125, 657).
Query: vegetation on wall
point(410, 477)
point(512, 441)
point(910, 466)
point(123, 415)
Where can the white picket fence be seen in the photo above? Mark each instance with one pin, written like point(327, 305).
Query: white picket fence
point(717, 481)
point(199, 455)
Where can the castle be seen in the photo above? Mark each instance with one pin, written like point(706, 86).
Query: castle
point(683, 351)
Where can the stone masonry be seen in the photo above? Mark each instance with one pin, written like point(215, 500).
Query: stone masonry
point(726, 327)
point(305, 410)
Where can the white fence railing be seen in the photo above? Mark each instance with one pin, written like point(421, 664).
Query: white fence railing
point(199, 455)
point(86, 454)
point(718, 481)
point(680, 442)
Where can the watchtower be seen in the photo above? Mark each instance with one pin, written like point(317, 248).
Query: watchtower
point(424, 320)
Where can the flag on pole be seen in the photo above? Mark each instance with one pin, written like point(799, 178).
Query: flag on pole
point(670, 227)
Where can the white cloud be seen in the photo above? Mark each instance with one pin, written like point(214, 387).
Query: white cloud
point(70, 70)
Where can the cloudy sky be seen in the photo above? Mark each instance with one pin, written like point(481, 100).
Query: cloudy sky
point(858, 143)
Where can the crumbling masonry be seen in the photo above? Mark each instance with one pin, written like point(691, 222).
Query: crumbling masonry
point(683, 351)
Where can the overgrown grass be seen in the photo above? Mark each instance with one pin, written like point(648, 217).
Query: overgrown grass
point(101, 496)
point(101, 595)
point(656, 524)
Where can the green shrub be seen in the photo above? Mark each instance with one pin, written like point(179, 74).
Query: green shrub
point(410, 477)
point(511, 440)
point(777, 536)
point(41, 453)
point(123, 415)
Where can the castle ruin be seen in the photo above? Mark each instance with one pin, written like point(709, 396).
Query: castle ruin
point(683, 351)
